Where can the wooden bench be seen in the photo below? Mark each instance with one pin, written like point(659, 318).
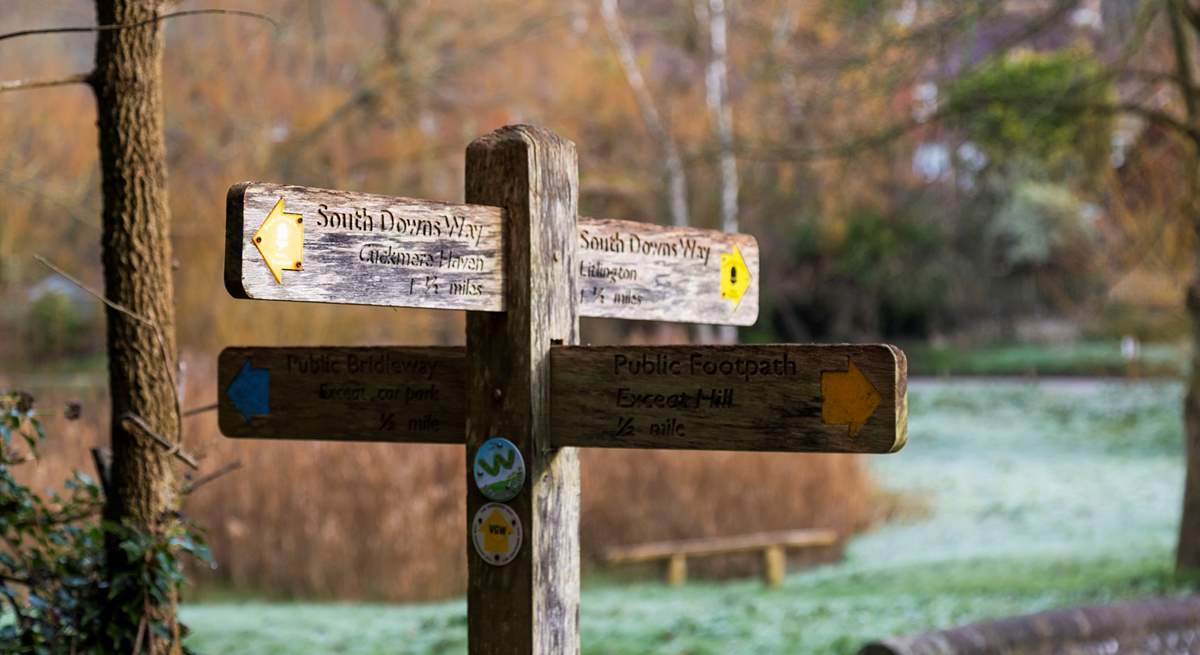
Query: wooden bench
point(773, 545)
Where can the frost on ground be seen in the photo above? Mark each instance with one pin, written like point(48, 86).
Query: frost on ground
point(1041, 494)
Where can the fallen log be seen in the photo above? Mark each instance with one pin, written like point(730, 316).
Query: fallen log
point(1160, 626)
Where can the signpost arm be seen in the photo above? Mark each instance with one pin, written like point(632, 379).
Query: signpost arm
point(530, 605)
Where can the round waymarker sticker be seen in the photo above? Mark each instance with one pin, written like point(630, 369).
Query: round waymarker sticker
point(499, 469)
point(496, 532)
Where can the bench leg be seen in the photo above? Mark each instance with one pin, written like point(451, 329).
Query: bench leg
point(676, 570)
point(774, 565)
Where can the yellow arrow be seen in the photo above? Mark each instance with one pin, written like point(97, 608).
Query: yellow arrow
point(280, 241)
point(847, 398)
point(735, 277)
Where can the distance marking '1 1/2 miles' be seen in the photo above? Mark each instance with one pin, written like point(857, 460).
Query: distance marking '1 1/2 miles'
point(380, 250)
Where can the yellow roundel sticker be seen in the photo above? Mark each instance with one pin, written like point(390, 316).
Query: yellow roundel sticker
point(496, 532)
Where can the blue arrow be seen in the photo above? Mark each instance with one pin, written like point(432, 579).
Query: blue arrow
point(250, 391)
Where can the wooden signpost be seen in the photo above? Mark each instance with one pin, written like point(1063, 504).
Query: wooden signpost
point(783, 398)
point(347, 394)
point(305, 244)
point(516, 258)
point(840, 399)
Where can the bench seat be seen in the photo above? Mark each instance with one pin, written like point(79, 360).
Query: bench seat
point(772, 544)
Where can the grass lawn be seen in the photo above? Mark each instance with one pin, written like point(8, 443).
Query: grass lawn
point(1087, 358)
point(1041, 495)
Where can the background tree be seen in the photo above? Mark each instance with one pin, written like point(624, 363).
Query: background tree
point(139, 482)
point(1033, 99)
point(136, 252)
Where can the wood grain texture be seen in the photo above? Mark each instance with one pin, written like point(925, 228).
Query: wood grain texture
point(530, 605)
point(367, 249)
point(379, 250)
point(396, 394)
point(645, 271)
point(416, 394)
point(760, 397)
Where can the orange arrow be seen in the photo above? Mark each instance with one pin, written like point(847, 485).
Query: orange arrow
point(847, 398)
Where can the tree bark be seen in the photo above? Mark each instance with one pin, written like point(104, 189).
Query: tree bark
point(673, 169)
point(136, 253)
point(672, 162)
point(716, 82)
point(1187, 554)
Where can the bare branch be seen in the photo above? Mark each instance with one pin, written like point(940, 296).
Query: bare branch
point(1192, 14)
point(19, 616)
point(21, 85)
point(1065, 102)
point(1144, 75)
point(387, 74)
point(130, 418)
point(109, 28)
point(158, 333)
point(1183, 60)
point(200, 410)
point(1158, 117)
point(95, 294)
point(205, 479)
point(102, 458)
point(141, 631)
point(34, 189)
point(672, 163)
point(847, 148)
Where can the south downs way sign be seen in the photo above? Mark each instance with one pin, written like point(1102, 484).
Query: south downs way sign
point(799, 398)
point(319, 245)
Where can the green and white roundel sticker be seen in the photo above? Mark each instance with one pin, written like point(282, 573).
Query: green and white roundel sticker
point(499, 469)
point(496, 533)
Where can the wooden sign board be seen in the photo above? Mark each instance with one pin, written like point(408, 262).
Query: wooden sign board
point(360, 248)
point(812, 398)
point(768, 398)
point(343, 394)
point(319, 245)
point(628, 269)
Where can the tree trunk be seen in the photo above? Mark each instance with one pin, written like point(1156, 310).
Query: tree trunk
point(136, 252)
point(716, 82)
point(1187, 554)
point(672, 162)
point(673, 169)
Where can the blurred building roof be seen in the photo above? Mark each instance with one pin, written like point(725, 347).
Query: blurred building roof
point(55, 283)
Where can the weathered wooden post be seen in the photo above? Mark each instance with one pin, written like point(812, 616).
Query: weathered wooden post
point(521, 608)
point(509, 257)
